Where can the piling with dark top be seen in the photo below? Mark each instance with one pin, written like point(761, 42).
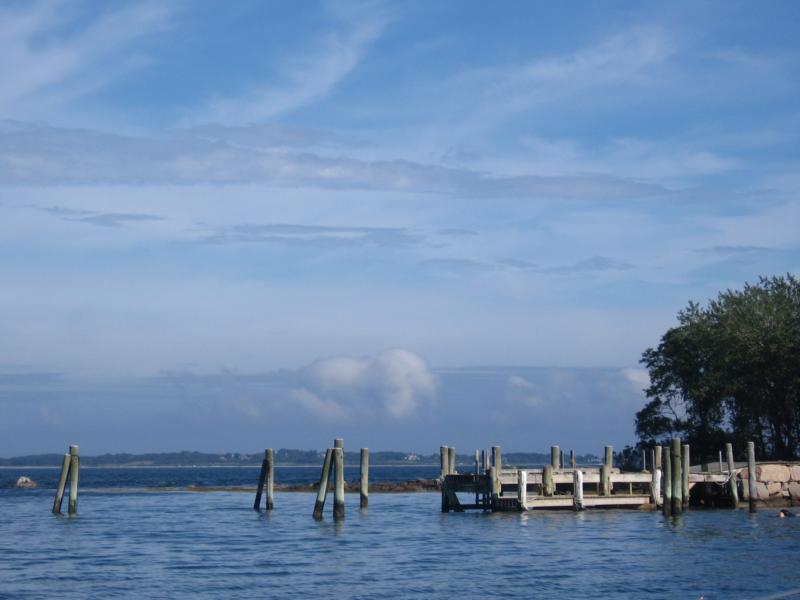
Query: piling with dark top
point(751, 475)
point(338, 489)
point(322, 489)
point(555, 457)
point(62, 484)
point(262, 477)
point(667, 504)
point(677, 478)
point(734, 489)
point(363, 487)
point(74, 473)
point(685, 476)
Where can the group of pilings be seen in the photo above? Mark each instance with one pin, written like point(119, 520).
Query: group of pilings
point(70, 471)
point(332, 472)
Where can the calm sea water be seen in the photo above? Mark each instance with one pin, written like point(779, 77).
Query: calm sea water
point(213, 545)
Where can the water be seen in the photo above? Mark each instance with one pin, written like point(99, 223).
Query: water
point(191, 545)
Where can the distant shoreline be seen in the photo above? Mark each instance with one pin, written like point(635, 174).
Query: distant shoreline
point(253, 466)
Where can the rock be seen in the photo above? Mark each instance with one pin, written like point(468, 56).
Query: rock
point(774, 488)
point(794, 472)
point(26, 482)
point(762, 493)
point(780, 473)
point(794, 490)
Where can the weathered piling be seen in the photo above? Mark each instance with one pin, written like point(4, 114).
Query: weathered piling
point(262, 478)
point(605, 480)
point(270, 479)
point(667, 503)
point(751, 475)
point(62, 484)
point(555, 457)
point(732, 486)
point(522, 489)
point(477, 462)
point(572, 458)
point(655, 477)
point(363, 487)
point(338, 489)
point(644, 460)
point(685, 476)
point(677, 478)
point(451, 460)
point(322, 489)
point(497, 460)
point(74, 473)
point(561, 462)
point(444, 459)
point(485, 460)
point(720, 460)
point(494, 479)
point(548, 487)
point(577, 488)
point(609, 458)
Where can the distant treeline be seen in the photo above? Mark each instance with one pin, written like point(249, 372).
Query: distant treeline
point(282, 457)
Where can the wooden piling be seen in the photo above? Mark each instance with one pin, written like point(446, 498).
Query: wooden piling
point(677, 477)
point(270, 479)
point(751, 475)
point(322, 489)
point(74, 473)
point(605, 480)
point(655, 478)
point(485, 460)
point(658, 457)
point(262, 477)
point(338, 489)
point(609, 458)
point(572, 459)
point(62, 483)
point(548, 487)
point(555, 457)
point(577, 488)
point(685, 476)
point(444, 459)
point(667, 481)
point(522, 489)
point(363, 486)
point(497, 460)
point(561, 462)
point(494, 478)
point(732, 486)
point(720, 460)
point(644, 460)
point(451, 454)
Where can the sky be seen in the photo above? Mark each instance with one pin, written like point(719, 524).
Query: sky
point(228, 227)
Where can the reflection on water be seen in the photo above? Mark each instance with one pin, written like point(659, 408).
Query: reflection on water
point(216, 546)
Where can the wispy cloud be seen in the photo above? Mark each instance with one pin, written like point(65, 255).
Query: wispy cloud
point(100, 219)
point(51, 51)
point(312, 235)
point(592, 264)
point(303, 77)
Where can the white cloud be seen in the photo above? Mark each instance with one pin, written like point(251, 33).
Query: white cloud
point(396, 383)
point(637, 377)
point(520, 391)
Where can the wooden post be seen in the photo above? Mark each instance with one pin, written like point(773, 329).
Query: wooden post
point(561, 462)
point(677, 485)
point(685, 478)
point(548, 487)
point(497, 460)
point(555, 457)
point(720, 459)
point(751, 475)
point(572, 459)
point(262, 477)
point(494, 478)
point(667, 504)
point(270, 479)
point(62, 483)
point(734, 488)
point(322, 489)
point(444, 460)
point(363, 487)
point(74, 472)
point(451, 454)
point(654, 478)
point(338, 489)
point(644, 460)
point(605, 480)
point(477, 463)
point(577, 488)
point(609, 459)
point(522, 489)
point(485, 460)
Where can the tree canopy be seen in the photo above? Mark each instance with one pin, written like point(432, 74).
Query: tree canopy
point(729, 371)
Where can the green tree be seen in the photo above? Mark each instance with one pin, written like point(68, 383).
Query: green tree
point(729, 371)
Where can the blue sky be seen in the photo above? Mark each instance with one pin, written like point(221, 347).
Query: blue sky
point(415, 223)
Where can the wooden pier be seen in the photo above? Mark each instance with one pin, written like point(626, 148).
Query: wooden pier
point(555, 486)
